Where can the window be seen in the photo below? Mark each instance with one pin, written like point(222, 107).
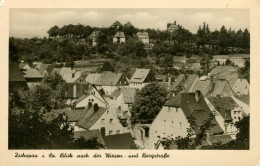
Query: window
point(118, 132)
point(164, 122)
point(111, 120)
point(180, 125)
point(169, 108)
point(102, 121)
point(235, 112)
point(110, 132)
point(176, 109)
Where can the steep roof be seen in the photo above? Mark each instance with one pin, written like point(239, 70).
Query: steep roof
point(244, 98)
point(202, 86)
point(15, 73)
point(94, 34)
point(140, 75)
point(228, 73)
point(90, 117)
point(119, 141)
point(70, 78)
point(190, 107)
point(119, 34)
point(185, 81)
point(128, 24)
point(92, 77)
point(222, 87)
point(108, 78)
point(89, 134)
point(117, 23)
point(66, 70)
point(22, 64)
point(224, 105)
point(116, 93)
point(46, 67)
point(73, 115)
point(32, 73)
point(128, 95)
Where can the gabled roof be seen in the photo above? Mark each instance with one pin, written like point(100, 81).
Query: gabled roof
point(15, 73)
point(202, 86)
point(184, 81)
point(89, 134)
point(228, 73)
point(92, 77)
point(94, 34)
point(32, 73)
point(190, 107)
point(243, 98)
point(119, 141)
point(108, 78)
point(22, 64)
point(128, 24)
point(224, 105)
point(117, 23)
point(140, 75)
point(90, 117)
point(116, 93)
point(69, 78)
point(222, 87)
point(46, 67)
point(119, 34)
point(73, 115)
point(66, 70)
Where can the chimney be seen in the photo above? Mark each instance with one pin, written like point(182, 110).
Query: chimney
point(85, 92)
point(197, 96)
point(95, 107)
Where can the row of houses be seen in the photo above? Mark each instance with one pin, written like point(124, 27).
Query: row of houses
point(104, 104)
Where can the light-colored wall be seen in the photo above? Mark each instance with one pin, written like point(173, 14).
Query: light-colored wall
point(236, 114)
point(138, 85)
point(241, 87)
point(89, 98)
point(243, 105)
point(114, 126)
point(158, 127)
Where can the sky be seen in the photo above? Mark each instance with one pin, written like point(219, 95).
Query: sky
point(36, 22)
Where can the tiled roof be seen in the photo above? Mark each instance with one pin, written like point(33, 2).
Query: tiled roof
point(66, 70)
point(69, 78)
point(142, 35)
point(32, 73)
point(92, 77)
point(199, 110)
point(15, 73)
point(228, 73)
point(119, 141)
point(202, 86)
point(140, 75)
point(244, 98)
point(222, 87)
point(108, 78)
point(116, 93)
point(128, 24)
point(73, 115)
point(117, 23)
point(47, 67)
point(224, 105)
point(128, 95)
point(220, 138)
point(89, 134)
point(90, 117)
point(184, 81)
point(120, 35)
point(21, 65)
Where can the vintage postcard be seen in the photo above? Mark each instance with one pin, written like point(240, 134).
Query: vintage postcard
point(130, 82)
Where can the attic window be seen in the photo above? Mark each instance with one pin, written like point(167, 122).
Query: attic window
point(111, 120)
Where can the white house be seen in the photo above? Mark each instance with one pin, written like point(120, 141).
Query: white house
point(141, 78)
point(144, 37)
point(119, 37)
point(241, 87)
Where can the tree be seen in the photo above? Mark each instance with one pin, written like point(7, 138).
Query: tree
point(148, 103)
point(107, 67)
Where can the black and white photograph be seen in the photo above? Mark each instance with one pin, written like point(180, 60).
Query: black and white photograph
point(129, 78)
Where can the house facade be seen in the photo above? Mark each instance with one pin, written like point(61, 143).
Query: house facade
point(241, 87)
point(119, 37)
point(141, 78)
point(93, 37)
point(144, 37)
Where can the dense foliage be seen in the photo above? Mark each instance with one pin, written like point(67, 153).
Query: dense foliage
point(148, 103)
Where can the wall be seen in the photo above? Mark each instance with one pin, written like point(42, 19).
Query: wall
point(89, 98)
point(171, 127)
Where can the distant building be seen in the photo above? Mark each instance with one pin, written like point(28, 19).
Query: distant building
point(119, 37)
point(172, 27)
point(227, 112)
point(92, 77)
point(109, 81)
point(32, 77)
point(24, 65)
point(89, 134)
point(141, 77)
point(221, 88)
point(241, 87)
point(46, 69)
point(243, 102)
point(144, 37)
point(116, 24)
point(16, 78)
point(128, 24)
point(204, 87)
point(93, 37)
point(95, 117)
point(172, 121)
point(184, 83)
point(91, 96)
